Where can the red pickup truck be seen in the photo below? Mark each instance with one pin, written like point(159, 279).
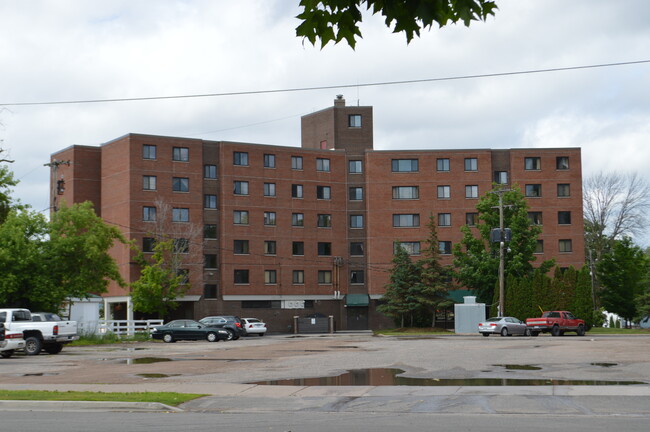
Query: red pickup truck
point(556, 322)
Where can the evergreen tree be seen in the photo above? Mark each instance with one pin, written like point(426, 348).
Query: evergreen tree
point(398, 301)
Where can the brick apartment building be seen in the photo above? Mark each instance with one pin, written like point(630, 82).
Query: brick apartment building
point(277, 232)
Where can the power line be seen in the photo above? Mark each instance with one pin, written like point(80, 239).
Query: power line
point(329, 87)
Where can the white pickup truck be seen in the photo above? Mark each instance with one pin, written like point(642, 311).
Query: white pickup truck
point(37, 333)
point(10, 342)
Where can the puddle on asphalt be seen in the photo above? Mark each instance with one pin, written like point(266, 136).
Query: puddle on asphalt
point(156, 375)
point(390, 377)
point(40, 374)
point(149, 360)
point(606, 365)
point(518, 367)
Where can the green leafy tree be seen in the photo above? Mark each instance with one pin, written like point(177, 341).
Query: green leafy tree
point(398, 301)
point(44, 263)
point(160, 282)
point(7, 181)
point(476, 258)
point(336, 20)
point(431, 291)
point(623, 273)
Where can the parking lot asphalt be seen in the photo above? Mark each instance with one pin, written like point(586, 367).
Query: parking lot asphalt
point(579, 374)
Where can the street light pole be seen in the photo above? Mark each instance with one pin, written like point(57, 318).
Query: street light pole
point(501, 259)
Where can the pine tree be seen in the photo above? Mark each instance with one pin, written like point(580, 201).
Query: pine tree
point(397, 301)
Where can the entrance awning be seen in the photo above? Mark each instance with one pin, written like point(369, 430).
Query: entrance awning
point(358, 300)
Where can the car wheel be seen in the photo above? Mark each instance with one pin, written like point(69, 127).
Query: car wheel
point(261, 334)
point(534, 334)
point(168, 338)
point(231, 335)
point(527, 332)
point(555, 331)
point(504, 331)
point(211, 337)
point(581, 330)
point(33, 346)
point(486, 334)
point(53, 348)
point(7, 354)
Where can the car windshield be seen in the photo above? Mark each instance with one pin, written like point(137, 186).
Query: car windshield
point(252, 320)
point(494, 319)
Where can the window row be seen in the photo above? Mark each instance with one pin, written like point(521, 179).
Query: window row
point(471, 164)
point(242, 247)
point(179, 154)
point(241, 217)
point(242, 276)
point(297, 162)
point(563, 190)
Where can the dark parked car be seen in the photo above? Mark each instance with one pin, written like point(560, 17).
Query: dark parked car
point(188, 330)
point(232, 324)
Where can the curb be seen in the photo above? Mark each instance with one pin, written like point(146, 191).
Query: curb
point(88, 406)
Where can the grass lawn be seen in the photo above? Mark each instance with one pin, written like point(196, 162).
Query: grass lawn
point(622, 331)
point(415, 331)
point(167, 398)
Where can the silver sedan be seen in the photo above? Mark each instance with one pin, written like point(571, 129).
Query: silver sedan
point(505, 326)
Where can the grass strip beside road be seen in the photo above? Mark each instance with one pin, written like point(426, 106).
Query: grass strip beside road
point(167, 398)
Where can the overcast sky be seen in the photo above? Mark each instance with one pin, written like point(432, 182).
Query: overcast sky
point(81, 50)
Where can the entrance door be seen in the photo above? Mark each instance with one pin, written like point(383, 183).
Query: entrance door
point(357, 318)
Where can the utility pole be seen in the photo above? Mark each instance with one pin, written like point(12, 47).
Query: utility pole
point(502, 244)
point(57, 185)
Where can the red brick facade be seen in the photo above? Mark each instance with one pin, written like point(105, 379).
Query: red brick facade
point(277, 232)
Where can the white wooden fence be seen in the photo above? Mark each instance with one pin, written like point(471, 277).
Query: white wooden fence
point(119, 327)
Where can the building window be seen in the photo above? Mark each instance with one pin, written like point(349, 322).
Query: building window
point(406, 220)
point(240, 188)
point(210, 231)
point(444, 192)
point(563, 190)
point(405, 165)
point(471, 219)
point(148, 244)
point(354, 120)
point(270, 277)
point(471, 191)
point(356, 221)
point(324, 249)
point(181, 154)
point(181, 245)
point(444, 247)
point(356, 248)
point(269, 189)
point(210, 291)
point(269, 161)
point(296, 162)
point(297, 219)
point(564, 218)
point(324, 277)
point(148, 214)
point(296, 191)
point(148, 151)
point(442, 164)
point(240, 217)
point(180, 184)
point(355, 167)
point(241, 276)
point(565, 246)
point(562, 163)
point(210, 261)
point(535, 218)
point(180, 215)
point(270, 247)
point(184, 276)
point(444, 219)
point(240, 158)
point(406, 192)
point(210, 201)
point(356, 193)
point(149, 182)
point(322, 164)
point(471, 164)
point(539, 247)
point(269, 218)
point(357, 277)
point(240, 247)
point(533, 190)
point(532, 163)
point(501, 177)
point(210, 171)
point(323, 192)
point(298, 248)
point(298, 277)
point(412, 248)
point(324, 221)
